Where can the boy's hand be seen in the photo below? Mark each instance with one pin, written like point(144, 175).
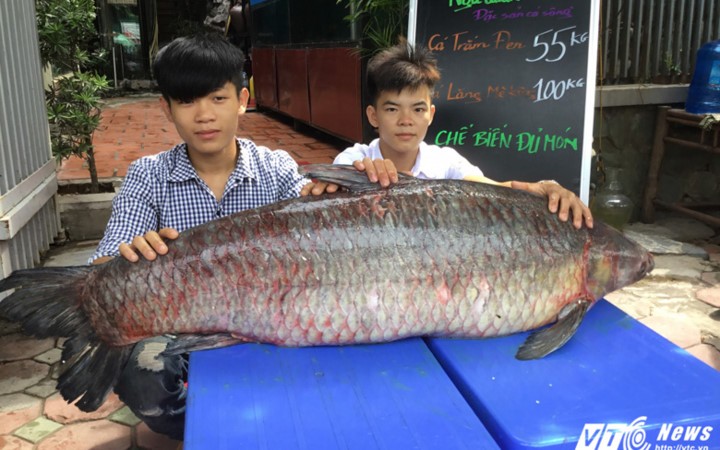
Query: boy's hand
point(560, 200)
point(318, 188)
point(149, 246)
point(381, 171)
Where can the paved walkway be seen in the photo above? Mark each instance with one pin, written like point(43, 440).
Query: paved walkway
point(136, 127)
point(679, 300)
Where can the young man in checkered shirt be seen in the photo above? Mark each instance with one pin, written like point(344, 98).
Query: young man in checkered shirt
point(213, 173)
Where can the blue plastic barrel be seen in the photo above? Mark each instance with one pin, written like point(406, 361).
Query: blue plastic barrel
point(704, 92)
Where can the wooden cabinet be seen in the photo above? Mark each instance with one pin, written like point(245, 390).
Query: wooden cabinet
point(292, 83)
point(265, 77)
point(335, 94)
point(318, 86)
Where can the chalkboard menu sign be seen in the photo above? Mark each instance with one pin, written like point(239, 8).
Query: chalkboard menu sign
point(517, 89)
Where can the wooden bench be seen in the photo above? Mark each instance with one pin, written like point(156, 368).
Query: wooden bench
point(456, 394)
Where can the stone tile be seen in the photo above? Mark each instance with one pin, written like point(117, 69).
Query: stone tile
point(19, 346)
point(14, 443)
point(37, 430)
point(662, 245)
point(711, 296)
point(711, 249)
point(147, 438)
point(55, 371)
point(57, 409)
point(49, 357)
point(681, 267)
point(43, 389)
point(712, 339)
point(19, 375)
point(707, 354)
point(685, 228)
point(677, 330)
point(60, 341)
point(96, 434)
point(17, 410)
point(712, 278)
point(8, 327)
point(125, 416)
point(633, 305)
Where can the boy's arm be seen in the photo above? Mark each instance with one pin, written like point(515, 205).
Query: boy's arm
point(132, 216)
point(351, 154)
point(560, 200)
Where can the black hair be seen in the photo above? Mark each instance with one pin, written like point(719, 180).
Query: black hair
point(194, 66)
point(399, 67)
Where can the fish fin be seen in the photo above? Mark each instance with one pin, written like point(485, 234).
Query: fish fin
point(543, 342)
point(92, 375)
point(344, 175)
point(186, 343)
point(47, 302)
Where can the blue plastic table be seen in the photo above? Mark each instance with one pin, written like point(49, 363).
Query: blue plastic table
point(447, 394)
point(390, 396)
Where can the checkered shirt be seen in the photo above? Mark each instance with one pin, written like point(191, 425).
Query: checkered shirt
point(164, 190)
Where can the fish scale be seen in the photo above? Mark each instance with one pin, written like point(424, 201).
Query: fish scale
point(440, 258)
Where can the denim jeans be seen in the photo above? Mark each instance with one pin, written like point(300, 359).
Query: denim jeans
point(153, 387)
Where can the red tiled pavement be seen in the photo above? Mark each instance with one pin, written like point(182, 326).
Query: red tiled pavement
point(133, 127)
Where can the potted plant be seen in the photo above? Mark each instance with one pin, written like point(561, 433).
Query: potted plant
point(67, 37)
point(384, 21)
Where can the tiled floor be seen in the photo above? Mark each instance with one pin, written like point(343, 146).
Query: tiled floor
point(135, 127)
point(32, 413)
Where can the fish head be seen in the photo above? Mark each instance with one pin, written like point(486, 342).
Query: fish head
point(614, 261)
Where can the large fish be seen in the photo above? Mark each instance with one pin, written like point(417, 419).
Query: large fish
point(423, 258)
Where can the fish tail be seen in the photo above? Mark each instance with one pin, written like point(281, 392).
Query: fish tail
point(47, 302)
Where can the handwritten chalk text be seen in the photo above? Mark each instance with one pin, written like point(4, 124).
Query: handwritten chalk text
point(489, 15)
point(458, 93)
point(530, 142)
point(453, 138)
point(465, 95)
point(461, 5)
point(502, 91)
point(554, 89)
point(463, 42)
point(561, 40)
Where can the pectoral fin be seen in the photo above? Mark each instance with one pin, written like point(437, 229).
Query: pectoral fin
point(543, 342)
point(186, 343)
point(345, 175)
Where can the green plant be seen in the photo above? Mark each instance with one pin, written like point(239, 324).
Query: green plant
point(671, 67)
point(68, 44)
point(384, 21)
point(73, 112)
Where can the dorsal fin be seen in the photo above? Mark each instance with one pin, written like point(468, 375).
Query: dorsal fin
point(344, 175)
